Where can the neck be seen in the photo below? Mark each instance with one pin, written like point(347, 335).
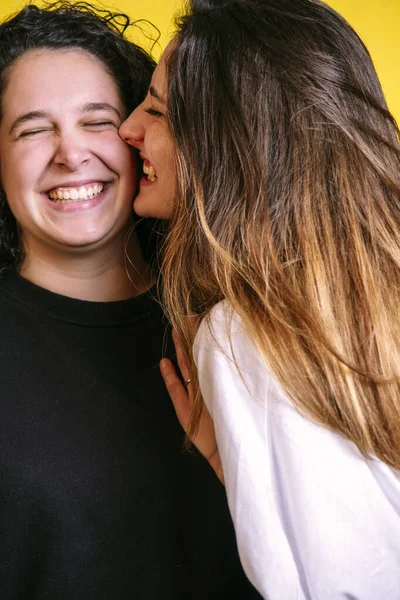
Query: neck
point(99, 275)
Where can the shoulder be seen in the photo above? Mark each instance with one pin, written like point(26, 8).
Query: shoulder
point(217, 322)
point(224, 340)
point(232, 371)
point(223, 332)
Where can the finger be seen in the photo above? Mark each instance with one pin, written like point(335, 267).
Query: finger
point(204, 439)
point(177, 391)
point(182, 360)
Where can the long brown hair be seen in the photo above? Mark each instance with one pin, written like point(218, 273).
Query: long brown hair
point(289, 205)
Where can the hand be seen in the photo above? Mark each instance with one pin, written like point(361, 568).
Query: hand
point(182, 399)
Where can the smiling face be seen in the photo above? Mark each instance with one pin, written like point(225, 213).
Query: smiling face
point(68, 177)
point(146, 129)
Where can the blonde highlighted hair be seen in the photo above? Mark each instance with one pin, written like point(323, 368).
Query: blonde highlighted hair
point(289, 206)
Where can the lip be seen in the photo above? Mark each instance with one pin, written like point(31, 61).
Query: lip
point(76, 206)
point(75, 184)
point(144, 182)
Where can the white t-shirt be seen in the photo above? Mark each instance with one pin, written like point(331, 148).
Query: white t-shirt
point(314, 520)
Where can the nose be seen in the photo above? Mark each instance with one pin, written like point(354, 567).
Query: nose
point(133, 129)
point(71, 153)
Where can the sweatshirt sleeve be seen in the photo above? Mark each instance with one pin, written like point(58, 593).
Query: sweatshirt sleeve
point(314, 520)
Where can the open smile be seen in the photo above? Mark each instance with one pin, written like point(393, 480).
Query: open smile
point(67, 195)
point(77, 197)
point(148, 169)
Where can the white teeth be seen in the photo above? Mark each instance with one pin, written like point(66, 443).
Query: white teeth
point(150, 172)
point(73, 194)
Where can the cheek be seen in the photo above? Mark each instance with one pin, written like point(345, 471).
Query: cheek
point(17, 185)
point(169, 173)
point(130, 174)
point(120, 159)
point(162, 154)
point(15, 177)
point(23, 166)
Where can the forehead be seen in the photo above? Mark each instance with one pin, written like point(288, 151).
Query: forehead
point(159, 78)
point(52, 79)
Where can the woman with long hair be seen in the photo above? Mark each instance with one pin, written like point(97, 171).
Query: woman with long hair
point(267, 142)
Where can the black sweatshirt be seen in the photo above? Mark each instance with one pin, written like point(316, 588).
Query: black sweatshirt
point(98, 500)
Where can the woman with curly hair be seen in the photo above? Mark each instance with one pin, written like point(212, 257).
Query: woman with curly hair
point(97, 500)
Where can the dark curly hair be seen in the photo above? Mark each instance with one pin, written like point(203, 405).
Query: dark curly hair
point(77, 25)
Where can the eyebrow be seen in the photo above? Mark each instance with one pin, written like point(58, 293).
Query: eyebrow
point(40, 114)
point(153, 92)
point(96, 106)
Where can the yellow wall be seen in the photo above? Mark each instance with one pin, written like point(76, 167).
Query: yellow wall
point(377, 21)
point(378, 24)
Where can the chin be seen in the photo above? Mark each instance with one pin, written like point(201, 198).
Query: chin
point(82, 242)
point(146, 209)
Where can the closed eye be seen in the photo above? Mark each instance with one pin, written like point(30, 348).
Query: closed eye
point(32, 132)
point(153, 112)
point(100, 124)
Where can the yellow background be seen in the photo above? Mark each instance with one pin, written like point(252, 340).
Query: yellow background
point(377, 22)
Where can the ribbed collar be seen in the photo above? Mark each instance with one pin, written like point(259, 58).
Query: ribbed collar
point(82, 312)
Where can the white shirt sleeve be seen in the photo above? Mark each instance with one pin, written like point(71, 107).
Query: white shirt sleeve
point(314, 520)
